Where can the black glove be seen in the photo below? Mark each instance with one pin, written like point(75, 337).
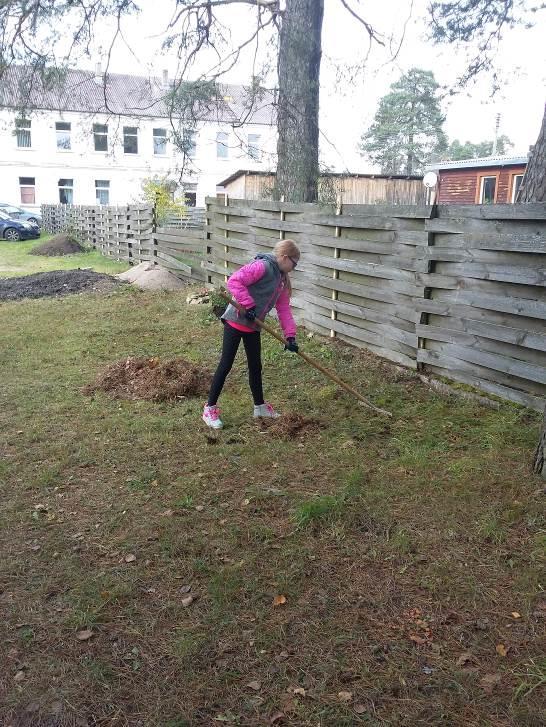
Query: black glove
point(250, 314)
point(291, 345)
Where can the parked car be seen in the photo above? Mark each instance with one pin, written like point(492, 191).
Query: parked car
point(18, 213)
point(14, 230)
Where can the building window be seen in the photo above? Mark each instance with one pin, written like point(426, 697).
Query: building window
point(130, 140)
point(488, 187)
point(189, 146)
point(66, 191)
point(221, 145)
point(254, 150)
point(100, 134)
point(27, 187)
point(516, 184)
point(160, 141)
point(190, 195)
point(22, 131)
point(62, 130)
point(102, 191)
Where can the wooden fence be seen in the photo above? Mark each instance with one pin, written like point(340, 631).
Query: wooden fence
point(130, 233)
point(459, 291)
point(455, 290)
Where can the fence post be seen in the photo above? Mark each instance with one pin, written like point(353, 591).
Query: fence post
point(335, 273)
point(226, 235)
point(153, 248)
point(427, 291)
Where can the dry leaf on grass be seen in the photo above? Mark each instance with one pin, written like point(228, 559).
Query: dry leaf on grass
point(279, 600)
point(345, 697)
point(501, 649)
point(359, 708)
point(84, 635)
point(256, 686)
point(130, 558)
point(417, 639)
point(19, 677)
point(276, 717)
point(464, 658)
point(167, 513)
point(187, 600)
point(489, 682)
point(515, 614)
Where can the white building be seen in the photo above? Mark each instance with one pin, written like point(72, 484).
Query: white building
point(94, 138)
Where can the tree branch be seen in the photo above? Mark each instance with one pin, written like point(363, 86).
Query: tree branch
point(371, 32)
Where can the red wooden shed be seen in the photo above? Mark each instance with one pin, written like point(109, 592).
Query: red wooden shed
point(489, 180)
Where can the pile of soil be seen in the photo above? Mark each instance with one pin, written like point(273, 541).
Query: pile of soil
point(57, 282)
point(58, 245)
point(289, 426)
point(151, 378)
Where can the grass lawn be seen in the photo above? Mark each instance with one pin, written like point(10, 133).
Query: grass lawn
point(15, 260)
point(405, 555)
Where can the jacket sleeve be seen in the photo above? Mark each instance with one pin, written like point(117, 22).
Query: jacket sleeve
point(284, 312)
point(240, 280)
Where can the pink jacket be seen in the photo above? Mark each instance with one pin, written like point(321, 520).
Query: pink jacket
point(251, 274)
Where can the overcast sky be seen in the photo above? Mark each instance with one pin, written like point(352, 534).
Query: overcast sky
point(349, 102)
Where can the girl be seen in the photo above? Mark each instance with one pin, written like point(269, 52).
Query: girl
point(258, 287)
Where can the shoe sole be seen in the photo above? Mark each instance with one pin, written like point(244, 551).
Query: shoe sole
point(211, 426)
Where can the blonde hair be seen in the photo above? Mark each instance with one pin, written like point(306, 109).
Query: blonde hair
point(290, 249)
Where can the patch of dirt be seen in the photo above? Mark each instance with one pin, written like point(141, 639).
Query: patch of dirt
point(151, 378)
point(56, 282)
point(59, 245)
point(289, 426)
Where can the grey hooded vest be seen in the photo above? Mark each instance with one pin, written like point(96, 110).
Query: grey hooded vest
point(265, 292)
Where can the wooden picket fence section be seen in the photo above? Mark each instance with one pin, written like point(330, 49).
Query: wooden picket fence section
point(130, 233)
point(457, 291)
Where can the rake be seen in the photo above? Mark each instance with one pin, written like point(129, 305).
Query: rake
point(311, 361)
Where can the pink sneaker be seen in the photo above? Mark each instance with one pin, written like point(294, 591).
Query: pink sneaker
point(266, 411)
point(211, 417)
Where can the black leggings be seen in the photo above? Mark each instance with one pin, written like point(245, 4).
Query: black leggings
point(252, 344)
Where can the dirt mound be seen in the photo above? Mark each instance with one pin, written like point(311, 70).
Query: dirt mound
point(57, 282)
point(58, 245)
point(151, 277)
point(289, 426)
point(150, 378)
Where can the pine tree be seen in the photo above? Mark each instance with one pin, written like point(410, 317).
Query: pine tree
point(407, 128)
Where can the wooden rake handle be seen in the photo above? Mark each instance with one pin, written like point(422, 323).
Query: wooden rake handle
point(311, 361)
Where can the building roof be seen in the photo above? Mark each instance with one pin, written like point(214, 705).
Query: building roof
point(344, 175)
point(481, 162)
point(125, 95)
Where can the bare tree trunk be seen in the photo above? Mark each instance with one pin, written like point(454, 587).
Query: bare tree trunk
point(533, 189)
point(539, 466)
point(409, 166)
point(533, 186)
point(298, 105)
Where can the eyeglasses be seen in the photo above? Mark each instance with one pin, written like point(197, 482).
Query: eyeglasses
point(294, 262)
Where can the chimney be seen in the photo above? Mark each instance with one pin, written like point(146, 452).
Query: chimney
point(165, 77)
point(98, 69)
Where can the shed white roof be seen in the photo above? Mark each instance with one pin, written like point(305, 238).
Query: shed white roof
point(480, 162)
